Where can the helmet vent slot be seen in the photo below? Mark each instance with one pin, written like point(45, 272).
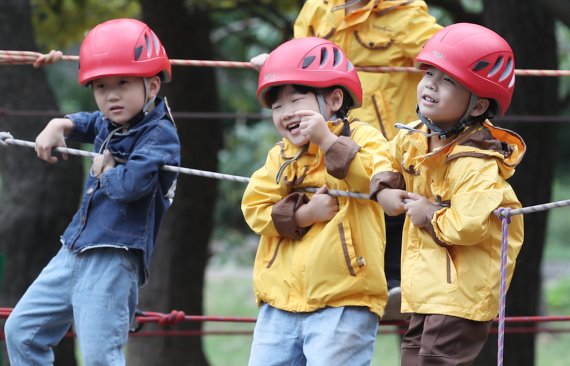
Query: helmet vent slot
point(337, 59)
point(496, 67)
point(307, 61)
point(156, 44)
point(324, 56)
point(480, 65)
point(148, 46)
point(508, 69)
point(138, 52)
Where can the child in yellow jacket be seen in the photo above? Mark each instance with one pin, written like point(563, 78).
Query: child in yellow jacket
point(448, 173)
point(318, 272)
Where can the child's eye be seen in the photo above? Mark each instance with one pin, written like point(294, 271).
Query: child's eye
point(123, 82)
point(275, 106)
point(449, 80)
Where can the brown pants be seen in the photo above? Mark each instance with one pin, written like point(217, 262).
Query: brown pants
point(443, 340)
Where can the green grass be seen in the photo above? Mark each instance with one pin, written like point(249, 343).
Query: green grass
point(229, 293)
point(557, 246)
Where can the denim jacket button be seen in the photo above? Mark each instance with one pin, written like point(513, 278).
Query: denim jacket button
point(90, 190)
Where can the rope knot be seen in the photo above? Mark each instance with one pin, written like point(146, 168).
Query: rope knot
point(174, 317)
point(504, 213)
point(4, 136)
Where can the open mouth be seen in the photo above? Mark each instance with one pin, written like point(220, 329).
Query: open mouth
point(293, 126)
point(428, 99)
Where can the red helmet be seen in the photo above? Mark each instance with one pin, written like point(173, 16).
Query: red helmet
point(313, 62)
point(124, 47)
point(475, 56)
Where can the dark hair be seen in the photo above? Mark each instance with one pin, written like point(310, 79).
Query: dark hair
point(347, 102)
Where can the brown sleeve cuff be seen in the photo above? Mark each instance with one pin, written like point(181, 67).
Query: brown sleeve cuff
point(283, 216)
point(429, 227)
point(339, 155)
point(384, 180)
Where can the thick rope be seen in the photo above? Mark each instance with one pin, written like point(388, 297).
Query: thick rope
point(6, 139)
point(28, 57)
point(505, 215)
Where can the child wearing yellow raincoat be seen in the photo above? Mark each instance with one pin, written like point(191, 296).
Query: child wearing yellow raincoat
point(318, 273)
point(375, 33)
point(448, 172)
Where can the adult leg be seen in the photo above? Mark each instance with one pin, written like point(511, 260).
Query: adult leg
point(412, 341)
point(104, 302)
point(43, 315)
point(451, 341)
point(340, 336)
point(392, 260)
point(393, 252)
point(277, 338)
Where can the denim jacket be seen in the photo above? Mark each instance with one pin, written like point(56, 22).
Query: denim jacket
point(125, 206)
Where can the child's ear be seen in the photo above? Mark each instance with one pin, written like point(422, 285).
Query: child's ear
point(153, 86)
point(480, 107)
point(335, 99)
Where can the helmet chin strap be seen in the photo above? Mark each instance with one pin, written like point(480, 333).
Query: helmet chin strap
point(150, 101)
point(321, 101)
point(438, 131)
point(322, 107)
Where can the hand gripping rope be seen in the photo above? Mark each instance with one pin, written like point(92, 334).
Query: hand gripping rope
point(28, 57)
point(7, 139)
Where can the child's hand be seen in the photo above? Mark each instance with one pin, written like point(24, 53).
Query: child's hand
point(258, 61)
point(419, 209)
point(102, 163)
point(314, 127)
point(52, 136)
point(321, 207)
point(392, 201)
point(50, 58)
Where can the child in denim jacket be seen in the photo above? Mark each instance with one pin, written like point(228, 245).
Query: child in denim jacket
point(94, 279)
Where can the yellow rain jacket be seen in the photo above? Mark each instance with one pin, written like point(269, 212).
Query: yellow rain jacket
point(383, 33)
point(334, 263)
point(453, 267)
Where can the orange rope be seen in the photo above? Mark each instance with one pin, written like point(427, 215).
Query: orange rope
point(28, 57)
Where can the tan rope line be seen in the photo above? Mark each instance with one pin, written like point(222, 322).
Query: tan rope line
point(28, 57)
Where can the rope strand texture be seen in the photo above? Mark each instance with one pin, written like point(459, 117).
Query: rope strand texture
point(7, 139)
point(29, 57)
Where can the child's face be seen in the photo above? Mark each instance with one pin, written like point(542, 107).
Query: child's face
point(441, 99)
point(120, 98)
point(287, 103)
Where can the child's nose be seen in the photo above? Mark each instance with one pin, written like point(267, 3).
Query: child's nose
point(288, 114)
point(112, 95)
point(430, 85)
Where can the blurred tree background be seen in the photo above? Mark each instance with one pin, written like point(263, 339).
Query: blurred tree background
point(205, 226)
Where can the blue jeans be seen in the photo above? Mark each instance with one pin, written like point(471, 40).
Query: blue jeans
point(96, 289)
point(328, 337)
